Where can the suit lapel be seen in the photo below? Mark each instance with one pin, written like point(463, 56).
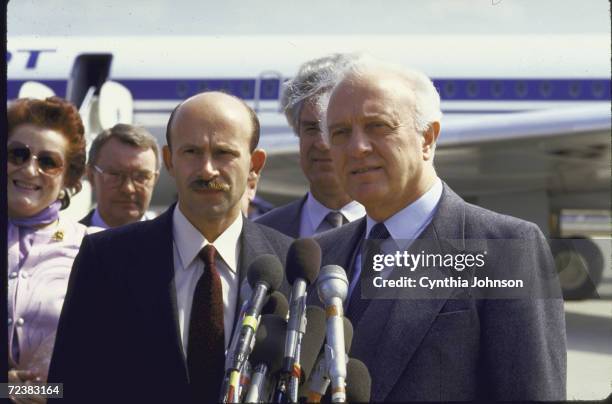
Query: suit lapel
point(156, 293)
point(403, 323)
point(295, 213)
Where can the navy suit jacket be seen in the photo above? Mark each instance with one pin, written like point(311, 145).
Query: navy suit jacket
point(286, 219)
point(457, 347)
point(118, 338)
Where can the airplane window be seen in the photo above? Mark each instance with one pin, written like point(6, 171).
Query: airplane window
point(268, 88)
point(225, 87)
point(545, 89)
point(575, 89)
point(520, 88)
point(597, 89)
point(245, 89)
point(473, 89)
point(449, 89)
point(497, 89)
point(203, 86)
point(181, 89)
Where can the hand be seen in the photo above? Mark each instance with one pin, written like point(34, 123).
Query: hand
point(26, 377)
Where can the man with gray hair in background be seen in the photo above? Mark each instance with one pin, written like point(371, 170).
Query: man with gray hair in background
point(457, 342)
point(123, 168)
point(326, 205)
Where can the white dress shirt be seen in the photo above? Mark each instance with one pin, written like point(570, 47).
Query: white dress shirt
point(314, 213)
point(404, 227)
point(188, 267)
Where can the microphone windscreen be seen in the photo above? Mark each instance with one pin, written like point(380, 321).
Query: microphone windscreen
point(266, 269)
point(358, 382)
point(303, 260)
point(348, 334)
point(277, 304)
point(313, 339)
point(270, 342)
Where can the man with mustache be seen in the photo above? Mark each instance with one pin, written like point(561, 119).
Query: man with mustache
point(457, 342)
point(326, 205)
point(123, 168)
point(151, 306)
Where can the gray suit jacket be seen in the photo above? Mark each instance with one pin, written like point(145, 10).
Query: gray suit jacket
point(119, 322)
point(286, 218)
point(458, 347)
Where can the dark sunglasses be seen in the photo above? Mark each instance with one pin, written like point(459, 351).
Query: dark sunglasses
point(49, 163)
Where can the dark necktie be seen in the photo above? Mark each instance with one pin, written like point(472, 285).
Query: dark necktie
point(206, 345)
point(335, 219)
point(371, 247)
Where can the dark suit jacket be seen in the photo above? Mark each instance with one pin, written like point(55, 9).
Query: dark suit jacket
point(118, 338)
point(86, 221)
point(458, 347)
point(286, 218)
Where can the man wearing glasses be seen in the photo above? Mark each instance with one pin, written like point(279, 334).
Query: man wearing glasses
point(123, 168)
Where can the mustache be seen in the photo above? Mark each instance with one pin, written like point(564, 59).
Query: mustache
point(213, 185)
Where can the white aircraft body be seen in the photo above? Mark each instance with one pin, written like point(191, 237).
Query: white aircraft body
point(526, 126)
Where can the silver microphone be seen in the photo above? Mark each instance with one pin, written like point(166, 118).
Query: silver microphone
point(332, 287)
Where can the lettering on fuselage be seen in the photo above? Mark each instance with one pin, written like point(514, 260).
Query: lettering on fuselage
point(32, 57)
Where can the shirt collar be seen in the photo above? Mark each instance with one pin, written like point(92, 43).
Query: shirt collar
point(316, 211)
point(96, 219)
point(189, 241)
point(409, 222)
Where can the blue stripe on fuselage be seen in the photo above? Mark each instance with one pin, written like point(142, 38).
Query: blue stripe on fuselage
point(450, 89)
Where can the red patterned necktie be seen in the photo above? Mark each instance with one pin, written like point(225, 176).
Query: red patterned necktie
point(206, 345)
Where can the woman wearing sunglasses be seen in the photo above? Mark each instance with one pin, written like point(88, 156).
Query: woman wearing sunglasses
point(46, 159)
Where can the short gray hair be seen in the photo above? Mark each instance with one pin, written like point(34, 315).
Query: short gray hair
point(135, 136)
point(313, 78)
point(426, 98)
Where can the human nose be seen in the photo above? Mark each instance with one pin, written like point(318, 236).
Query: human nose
point(127, 184)
point(359, 143)
point(208, 169)
point(31, 166)
point(320, 143)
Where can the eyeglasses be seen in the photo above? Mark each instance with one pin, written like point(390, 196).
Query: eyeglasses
point(49, 163)
point(118, 178)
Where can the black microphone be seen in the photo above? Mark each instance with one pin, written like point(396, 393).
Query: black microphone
point(358, 382)
point(319, 378)
point(277, 304)
point(267, 356)
point(265, 275)
point(303, 262)
point(313, 339)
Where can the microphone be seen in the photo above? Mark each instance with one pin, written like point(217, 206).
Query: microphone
point(267, 356)
point(245, 296)
point(313, 339)
point(332, 287)
point(303, 262)
point(265, 274)
point(319, 379)
point(358, 382)
point(277, 304)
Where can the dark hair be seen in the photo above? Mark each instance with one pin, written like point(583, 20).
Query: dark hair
point(254, 123)
point(62, 116)
point(135, 136)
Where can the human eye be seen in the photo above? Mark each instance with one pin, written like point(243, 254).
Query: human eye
point(378, 126)
point(339, 135)
point(311, 130)
point(142, 177)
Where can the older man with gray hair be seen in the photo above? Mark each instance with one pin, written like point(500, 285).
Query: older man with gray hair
point(455, 342)
point(326, 205)
point(123, 168)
